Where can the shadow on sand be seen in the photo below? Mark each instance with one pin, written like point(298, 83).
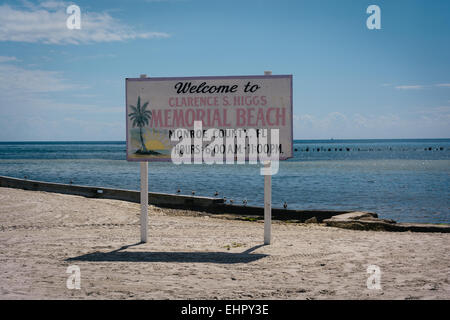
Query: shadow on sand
point(136, 256)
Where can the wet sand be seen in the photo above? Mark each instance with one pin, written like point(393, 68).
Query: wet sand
point(191, 255)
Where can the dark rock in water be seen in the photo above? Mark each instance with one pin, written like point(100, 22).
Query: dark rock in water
point(312, 220)
point(370, 221)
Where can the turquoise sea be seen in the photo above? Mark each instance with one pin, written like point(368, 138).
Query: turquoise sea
point(405, 180)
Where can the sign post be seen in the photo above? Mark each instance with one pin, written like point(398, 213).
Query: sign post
point(267, 204)
point(267, 197)
point(144, 196)
point(144, 201)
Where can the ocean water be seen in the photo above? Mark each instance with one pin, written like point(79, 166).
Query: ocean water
point(404, 180)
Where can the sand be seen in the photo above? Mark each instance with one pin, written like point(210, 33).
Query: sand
point(196, 256)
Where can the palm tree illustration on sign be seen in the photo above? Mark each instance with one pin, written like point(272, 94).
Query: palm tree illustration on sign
point(140, 117)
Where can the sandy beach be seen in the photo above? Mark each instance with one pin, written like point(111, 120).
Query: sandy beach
point(191, 255)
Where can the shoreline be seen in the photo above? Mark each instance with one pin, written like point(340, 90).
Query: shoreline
point(165, 200)
point(341, 219)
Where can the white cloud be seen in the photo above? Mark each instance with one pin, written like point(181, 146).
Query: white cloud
point(442, 110)
point(16, 80)
point(43, 128)
point(27, 90)
point(417, 87)
point(43, 105)
point(406, 87)
point(428, 123)
point(46, 23)
point(53, 4)
point(7, 59)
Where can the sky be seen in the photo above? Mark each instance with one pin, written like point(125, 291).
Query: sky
point(349, 82)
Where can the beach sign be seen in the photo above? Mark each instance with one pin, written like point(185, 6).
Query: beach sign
point(196, 119)
point(158, 108)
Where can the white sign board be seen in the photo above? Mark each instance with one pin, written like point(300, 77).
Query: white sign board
point(157, 107)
